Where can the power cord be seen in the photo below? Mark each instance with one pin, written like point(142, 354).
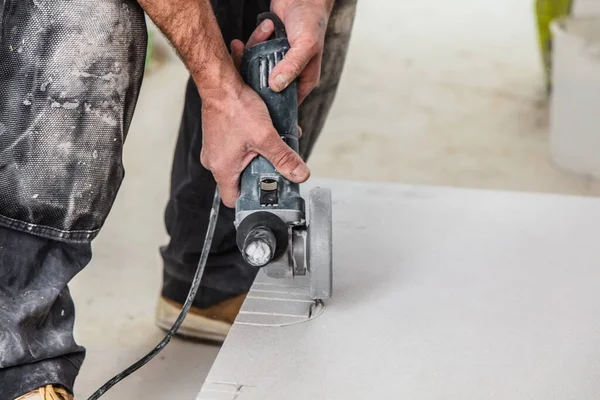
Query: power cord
point(212, 223)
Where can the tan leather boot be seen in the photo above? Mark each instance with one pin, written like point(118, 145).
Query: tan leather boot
point(211, 323)
point(47, 392)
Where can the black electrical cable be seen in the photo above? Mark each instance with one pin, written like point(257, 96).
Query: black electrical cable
point(214, 213)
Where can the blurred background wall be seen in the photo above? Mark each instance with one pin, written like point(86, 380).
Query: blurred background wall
point(436, 92)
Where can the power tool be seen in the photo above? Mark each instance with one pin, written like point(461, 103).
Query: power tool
point(274, 230)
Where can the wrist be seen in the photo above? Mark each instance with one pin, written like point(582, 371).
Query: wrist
point(218, 84)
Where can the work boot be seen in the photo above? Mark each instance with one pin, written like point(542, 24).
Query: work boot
point(47, 392)
point(212, 323)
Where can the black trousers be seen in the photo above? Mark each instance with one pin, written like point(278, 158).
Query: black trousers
point(69, 83)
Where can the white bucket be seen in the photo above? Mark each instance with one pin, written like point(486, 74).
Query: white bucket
point(585, 8)
point(575, 104)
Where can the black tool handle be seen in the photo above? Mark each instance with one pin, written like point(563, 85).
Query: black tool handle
point(263, 190)
point(257, 64)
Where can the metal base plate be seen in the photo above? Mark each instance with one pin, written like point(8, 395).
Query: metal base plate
point(319, 243)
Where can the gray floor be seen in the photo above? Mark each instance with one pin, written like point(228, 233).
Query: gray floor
point(434, 92)
point(475, 295)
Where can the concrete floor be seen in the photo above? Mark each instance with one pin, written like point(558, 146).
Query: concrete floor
point(434, 92)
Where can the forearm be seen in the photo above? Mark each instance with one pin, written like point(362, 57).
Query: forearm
point(279, 6)
point(192, 28)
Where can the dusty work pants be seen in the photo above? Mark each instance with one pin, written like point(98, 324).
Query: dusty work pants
point(70, 75)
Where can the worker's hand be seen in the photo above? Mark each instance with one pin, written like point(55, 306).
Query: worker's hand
point(235, 131)
point(262, 33)
point(237, 128)
point(306, 24)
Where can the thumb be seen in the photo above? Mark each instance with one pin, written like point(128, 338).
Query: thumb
point(286, 161)
point(292, 65)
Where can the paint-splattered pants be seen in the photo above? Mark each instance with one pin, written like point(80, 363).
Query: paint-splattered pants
point(70, 75)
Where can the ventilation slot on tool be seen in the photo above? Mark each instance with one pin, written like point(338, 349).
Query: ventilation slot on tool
point(266, 65)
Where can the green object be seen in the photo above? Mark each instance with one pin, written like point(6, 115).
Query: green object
point(546, 12)
point(150, 49)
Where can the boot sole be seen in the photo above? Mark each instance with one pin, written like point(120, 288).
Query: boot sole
point(193, 326)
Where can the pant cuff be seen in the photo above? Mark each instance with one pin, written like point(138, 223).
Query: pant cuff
point(16, 381)
point(177, 290)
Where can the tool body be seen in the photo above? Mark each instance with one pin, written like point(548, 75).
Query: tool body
point(274, 230)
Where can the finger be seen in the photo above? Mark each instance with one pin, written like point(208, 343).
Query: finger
point(228, 189)
point(292, 65)
point(299, 131)
point(237, 52)
point(261, 33)
point(309, 79)
point(284, 159)
point(228, 179)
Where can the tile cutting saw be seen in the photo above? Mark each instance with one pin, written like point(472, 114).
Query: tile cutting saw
point(275, 230)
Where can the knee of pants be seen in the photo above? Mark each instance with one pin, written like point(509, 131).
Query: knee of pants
point(70, 75)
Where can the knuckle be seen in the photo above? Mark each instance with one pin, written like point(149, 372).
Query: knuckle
point(285, 158)
point(216, 167)
point(205, 160)
point(295, 65)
